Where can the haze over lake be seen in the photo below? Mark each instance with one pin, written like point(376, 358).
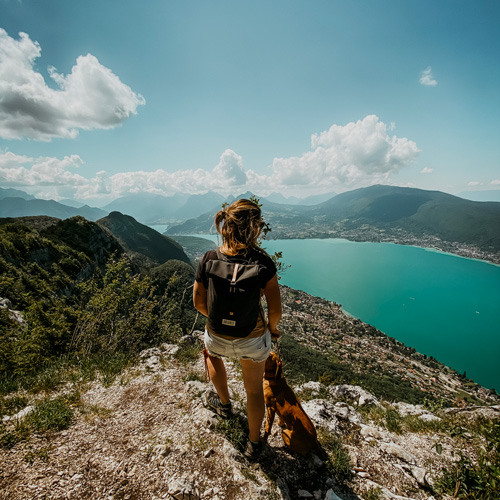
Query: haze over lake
point(442, 305)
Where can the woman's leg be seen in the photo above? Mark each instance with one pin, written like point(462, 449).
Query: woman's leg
point(218, 376)
point(253, 374)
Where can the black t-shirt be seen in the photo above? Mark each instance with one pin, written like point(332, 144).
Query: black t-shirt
point(267, 268)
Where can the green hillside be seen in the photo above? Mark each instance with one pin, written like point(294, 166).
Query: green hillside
point(43, 257)
point(73, 300)
point(140, 239)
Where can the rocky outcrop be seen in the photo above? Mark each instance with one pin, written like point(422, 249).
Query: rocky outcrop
point(148, 436)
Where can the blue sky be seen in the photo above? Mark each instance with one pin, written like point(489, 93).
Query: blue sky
point(99, 99)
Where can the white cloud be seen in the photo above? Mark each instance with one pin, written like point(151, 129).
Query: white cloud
point(495, 182)
point(427, 78)
point(230, 168)
point(90, 97)
point(474, 183)
point(358, 153)
point(427, 170)
point(343, 157)
point(40, 171)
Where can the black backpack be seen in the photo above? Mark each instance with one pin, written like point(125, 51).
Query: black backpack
point(233, 297)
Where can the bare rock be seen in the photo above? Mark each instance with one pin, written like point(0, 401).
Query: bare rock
point(331, 495)
point(311, 386)
point(161, 450)
point(356, 394)
point(304, 494)
point(429, 417)
point(17, 316)
point(315, 462)
point(473, 412)
point(231, 454)
point(398, 452)
point(205, 418)
point(170, 349)
point(195, 386)
point(420, 475)
point(183, 489)
point(385, 493)
point(368, 431)
point(406, 409)
point(188, 340)
point(327, 414)
point(5, 303)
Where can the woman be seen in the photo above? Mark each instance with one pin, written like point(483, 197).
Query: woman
point(240, 226)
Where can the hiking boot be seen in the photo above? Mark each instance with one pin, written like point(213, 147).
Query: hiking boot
point(212, 401)
point(252, 451)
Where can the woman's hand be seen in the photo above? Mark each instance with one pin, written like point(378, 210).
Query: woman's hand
point(275, 334)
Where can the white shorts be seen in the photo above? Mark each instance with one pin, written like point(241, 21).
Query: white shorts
point(257, 349)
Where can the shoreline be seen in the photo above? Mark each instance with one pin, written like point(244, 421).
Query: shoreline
point(464, 251)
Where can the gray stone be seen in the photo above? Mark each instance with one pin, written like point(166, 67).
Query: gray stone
point(6, 303)
point(331, 495)
point(161, 450)
point(188, 340)
point(205, 418)
point(429, 417)
point(420, 475)
point(398, 452)
point(170, 349)
point(358, 395)
point(315, 462)
point(304, 494)
point(147, 353)
point(369, 431)
point(311, 386)
point(183, 489)
point(327, 415)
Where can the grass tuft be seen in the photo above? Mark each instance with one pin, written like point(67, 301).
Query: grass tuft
point(188, 354)
point(338, 462)
point(234, 429)
point(50, 414)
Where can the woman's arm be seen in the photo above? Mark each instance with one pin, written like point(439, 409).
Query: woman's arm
point(273, 298)
point(200, 298)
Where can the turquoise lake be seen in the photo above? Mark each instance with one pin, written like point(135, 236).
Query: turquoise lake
point(444, 306)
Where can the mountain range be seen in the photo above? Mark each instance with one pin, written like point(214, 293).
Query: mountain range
point(380, 213)
point(376, 213)
point(15, 203)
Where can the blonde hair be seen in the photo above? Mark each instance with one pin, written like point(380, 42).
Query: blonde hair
point(240, 225)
